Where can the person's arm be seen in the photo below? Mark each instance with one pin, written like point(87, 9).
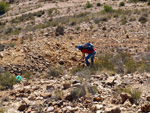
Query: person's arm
point(83, 56)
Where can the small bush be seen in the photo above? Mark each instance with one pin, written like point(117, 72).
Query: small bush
point(92, 89)
point(98, 4)
point(39, 13)
point(11, 1)
point(58, 95)
point(82, 91)
point(12, 44)
point(135, 93)
point(122, 4)
point(148, 2)
point(89, 5)
point(53, 11)
point(104, 62)
point(76, 69)
point(78, 92)
point(27, 75)
point(132, 19)
point(130, 65)
point(78, 28)
point(142, 20)
point(55, 71)
point(7, 80)
point(108, 8)
point(91, 26)
point(3, 7)
point(101, 19)
point(123, 20)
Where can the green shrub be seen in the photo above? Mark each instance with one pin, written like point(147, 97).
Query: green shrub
point(55, 71)
point(91, 26)
point(104, 62)
point(148, 2)
point(39, 13)
point(89, 5)
point(78, 28)
point(130, 65)
point(123, 20)
point(76, 69)
point(108, 8)
point(135, 93)
point(3, 7)
point(58, 95)
point(142, 19)
point(12, 44)
point(7, 80)
point(82, 91)
point(98, 4)
point(24, 18)
point(78, 92)
point(83, 71)
point(92, 89)
point(11, 1)
point(53, 11)
point(27, 75)
point(8, 30)
point(122, 4)
point(132, 19)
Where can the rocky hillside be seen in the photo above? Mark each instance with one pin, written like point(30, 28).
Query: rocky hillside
point(38, 40)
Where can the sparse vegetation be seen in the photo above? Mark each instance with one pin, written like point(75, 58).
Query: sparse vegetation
point(122, 4)
point(148, 2)
point(135, 93)
point(89, 5)
point(108, 9)
point(12, 44)
point(3, 7)
point(82, 91)
point(78, 92)
point(142, 19)
point(27, 75)
point(55, 71)
point(98, 4)
point(7, 80)
point(58, 95)
point(120, 63)
point(123, 20)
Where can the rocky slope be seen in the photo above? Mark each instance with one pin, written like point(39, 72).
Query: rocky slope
point(54, 95)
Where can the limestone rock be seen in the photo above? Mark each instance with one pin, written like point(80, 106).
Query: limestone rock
point(22, 107)
point(110, 81)
point(113, 110)
point(45, 95)
point(125, 96)
point(50, 109)
point(98, 99)
point(66, 85)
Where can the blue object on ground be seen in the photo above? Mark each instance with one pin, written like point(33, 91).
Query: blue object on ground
point(18, 78)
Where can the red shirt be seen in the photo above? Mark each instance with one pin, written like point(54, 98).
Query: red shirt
point(88, 51)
